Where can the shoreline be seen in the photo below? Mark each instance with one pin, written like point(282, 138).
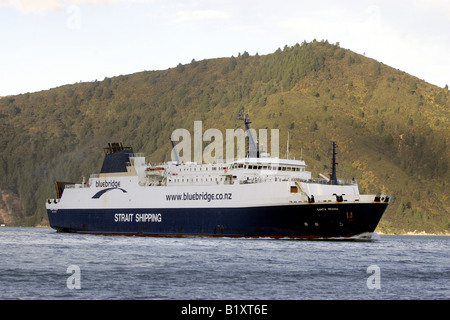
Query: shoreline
point(381, 233)
point(414, 233)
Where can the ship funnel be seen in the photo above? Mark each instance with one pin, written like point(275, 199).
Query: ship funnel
point(253, 152)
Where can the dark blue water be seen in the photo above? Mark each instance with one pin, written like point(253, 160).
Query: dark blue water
point(34, 264)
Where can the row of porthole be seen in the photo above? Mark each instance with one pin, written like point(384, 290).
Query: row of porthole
point(315, 223)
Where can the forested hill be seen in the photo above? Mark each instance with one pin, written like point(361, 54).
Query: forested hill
point(392, 129)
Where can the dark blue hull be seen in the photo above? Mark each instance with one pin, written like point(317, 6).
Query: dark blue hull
point(294, 221)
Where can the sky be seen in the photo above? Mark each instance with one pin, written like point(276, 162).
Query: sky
point(50, 43)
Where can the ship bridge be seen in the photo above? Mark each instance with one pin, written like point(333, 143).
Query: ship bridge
point(276, 164)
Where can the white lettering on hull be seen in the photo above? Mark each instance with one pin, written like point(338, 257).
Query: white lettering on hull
point(138, 217)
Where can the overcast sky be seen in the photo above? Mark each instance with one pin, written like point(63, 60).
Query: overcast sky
point(49, 43)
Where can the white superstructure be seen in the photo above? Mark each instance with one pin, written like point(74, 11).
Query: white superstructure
point(248, 181)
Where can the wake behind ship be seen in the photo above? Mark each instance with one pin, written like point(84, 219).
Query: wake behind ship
point(256, 196)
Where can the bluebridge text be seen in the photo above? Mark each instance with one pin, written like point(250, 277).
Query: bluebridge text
point(106, 184)
point(205, 196)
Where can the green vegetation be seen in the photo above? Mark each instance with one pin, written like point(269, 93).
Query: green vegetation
point(392, 129)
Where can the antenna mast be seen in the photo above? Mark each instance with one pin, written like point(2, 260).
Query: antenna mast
point(333, 177)
point(287, 147)
point(174, 151)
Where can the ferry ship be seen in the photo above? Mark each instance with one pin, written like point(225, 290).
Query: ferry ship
point(255, 196)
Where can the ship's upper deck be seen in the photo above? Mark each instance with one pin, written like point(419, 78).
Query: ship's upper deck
point(245, 170)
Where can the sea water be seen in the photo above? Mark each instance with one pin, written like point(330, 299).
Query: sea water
point(39, 263)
